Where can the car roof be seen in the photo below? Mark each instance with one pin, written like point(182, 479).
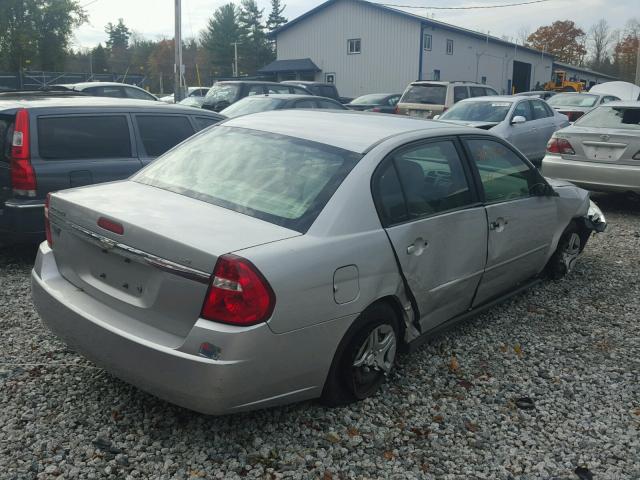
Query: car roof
point(445, 82)
point(89, 102)
point(287, 96)
point(305, 82)
point(250, 82)
point(97, 84)
point(498, 98)
point(347, 129)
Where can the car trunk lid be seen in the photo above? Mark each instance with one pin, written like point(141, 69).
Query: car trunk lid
point(157, 271)
point(603, 145)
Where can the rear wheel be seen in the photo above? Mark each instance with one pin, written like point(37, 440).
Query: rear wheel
point(570, 245)
point(364, 358)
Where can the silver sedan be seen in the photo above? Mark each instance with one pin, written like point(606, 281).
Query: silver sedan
point(601, 151)
point(527, 123)
point(261, 263)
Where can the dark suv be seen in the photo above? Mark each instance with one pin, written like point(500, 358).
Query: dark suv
point(320, 89)
point(52, 141)
point(224, 93)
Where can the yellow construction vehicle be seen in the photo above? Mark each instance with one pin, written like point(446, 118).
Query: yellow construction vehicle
point(559, 83)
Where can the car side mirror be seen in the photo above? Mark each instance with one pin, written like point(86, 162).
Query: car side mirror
point(518, 119)
point(436, 117)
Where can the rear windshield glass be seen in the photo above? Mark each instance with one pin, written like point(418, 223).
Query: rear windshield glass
point(573, 100)
point(283, 180)
point(369, 100)
point(222, 92)
point(252, 105)
point(611, 117)
point(5, 141)
point(478, 111)
point(428, 94)
point(87, 137)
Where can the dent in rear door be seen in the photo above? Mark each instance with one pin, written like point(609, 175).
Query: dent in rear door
point(82, 149)
point(439, 235)
point(521, 225)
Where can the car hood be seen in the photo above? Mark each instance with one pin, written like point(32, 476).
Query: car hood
point(622, 90)
point(476, 124)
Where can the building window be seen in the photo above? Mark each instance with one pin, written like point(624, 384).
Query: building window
point(353, 46)
point(426, 41)
point(449, 47)
point(436, 75)
point(484, 80)
point(330, 78)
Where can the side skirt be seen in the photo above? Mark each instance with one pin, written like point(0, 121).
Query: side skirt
point(449, 324)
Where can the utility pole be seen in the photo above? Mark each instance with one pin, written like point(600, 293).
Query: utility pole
point(235, 61)
point(638, 62)
point(178, 93)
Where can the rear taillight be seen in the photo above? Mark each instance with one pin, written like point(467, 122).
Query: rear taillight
point(238, 293)
point(23, 177)
point(560, 146)
point(47, 224)
point(396, 111)
point(375, 109)
point(110, 225)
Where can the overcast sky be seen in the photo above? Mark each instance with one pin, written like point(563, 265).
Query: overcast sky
point(154, 18)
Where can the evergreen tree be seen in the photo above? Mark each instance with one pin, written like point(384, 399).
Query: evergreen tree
point(99, 59)
point(256, 51)
point(276, 19)
point(222, 31)
point(118, 35)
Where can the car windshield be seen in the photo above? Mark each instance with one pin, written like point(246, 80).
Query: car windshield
point(431, 94)
point(283, 180)
point(369, 100)
point(611, 117)
point(192, 101)
point(485, 111)
point(573, 100)
point(222, 92)
point(252, 105)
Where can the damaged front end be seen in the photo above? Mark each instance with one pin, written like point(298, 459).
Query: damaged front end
point(594, 220)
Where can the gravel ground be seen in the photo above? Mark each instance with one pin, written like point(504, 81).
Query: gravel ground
point(452, 410)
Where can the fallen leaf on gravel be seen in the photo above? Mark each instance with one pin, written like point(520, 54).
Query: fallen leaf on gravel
point(466, 384)
point(438, 419)
point(472, 427)
point(518, 349)
point(352, 431)
point(333, 437)
point(454, 366)
point(327, 476)
point(503, 348)
point(388, 455)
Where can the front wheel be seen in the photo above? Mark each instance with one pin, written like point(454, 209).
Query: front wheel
point(570, 245)
point(364, 358)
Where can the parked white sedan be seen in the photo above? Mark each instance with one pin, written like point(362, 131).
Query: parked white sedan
point(527, 123)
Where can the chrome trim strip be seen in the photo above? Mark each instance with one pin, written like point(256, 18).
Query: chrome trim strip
point(13, 204)
point(518, 257)
point(130, 252)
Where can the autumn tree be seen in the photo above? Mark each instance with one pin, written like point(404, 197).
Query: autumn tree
point(563, 39)
point(625, 57)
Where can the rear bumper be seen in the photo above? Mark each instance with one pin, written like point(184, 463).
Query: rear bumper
point(22, 221)
point(596, 176)
point(254, 367)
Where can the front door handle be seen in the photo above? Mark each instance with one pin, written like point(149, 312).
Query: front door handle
point(417, 247)
point(498, 224)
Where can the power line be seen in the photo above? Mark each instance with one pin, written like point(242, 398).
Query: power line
point(479, 7)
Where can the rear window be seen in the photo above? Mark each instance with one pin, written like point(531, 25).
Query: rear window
point(573, 100)
point(160, 133)
point(328, 91)
point(283, 180)
point(63, 138)
point(427, 94)
point(611, 117)
point(252, 105)
point(5, 141)
point(222, 92)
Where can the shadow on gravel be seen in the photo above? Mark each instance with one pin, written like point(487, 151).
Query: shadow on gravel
point(617, 203)
point(18, 255)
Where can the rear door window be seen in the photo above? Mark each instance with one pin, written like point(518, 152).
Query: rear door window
point(305, 104)
point(328, 91)
point(160, 133)
point(329, 105)
point(478, 91)
point(430, 94)
point(299, 91)
point(277, 89)
point(255, 90)
point(204, 122)
point(75, 137)
point(539, 110)
point(5, 141)
point(138, 94)
point(459, 93)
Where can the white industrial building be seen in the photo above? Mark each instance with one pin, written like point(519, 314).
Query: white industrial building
point(365, 47)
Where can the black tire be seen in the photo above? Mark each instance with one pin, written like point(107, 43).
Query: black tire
point(346, 383)
point(570, 245)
